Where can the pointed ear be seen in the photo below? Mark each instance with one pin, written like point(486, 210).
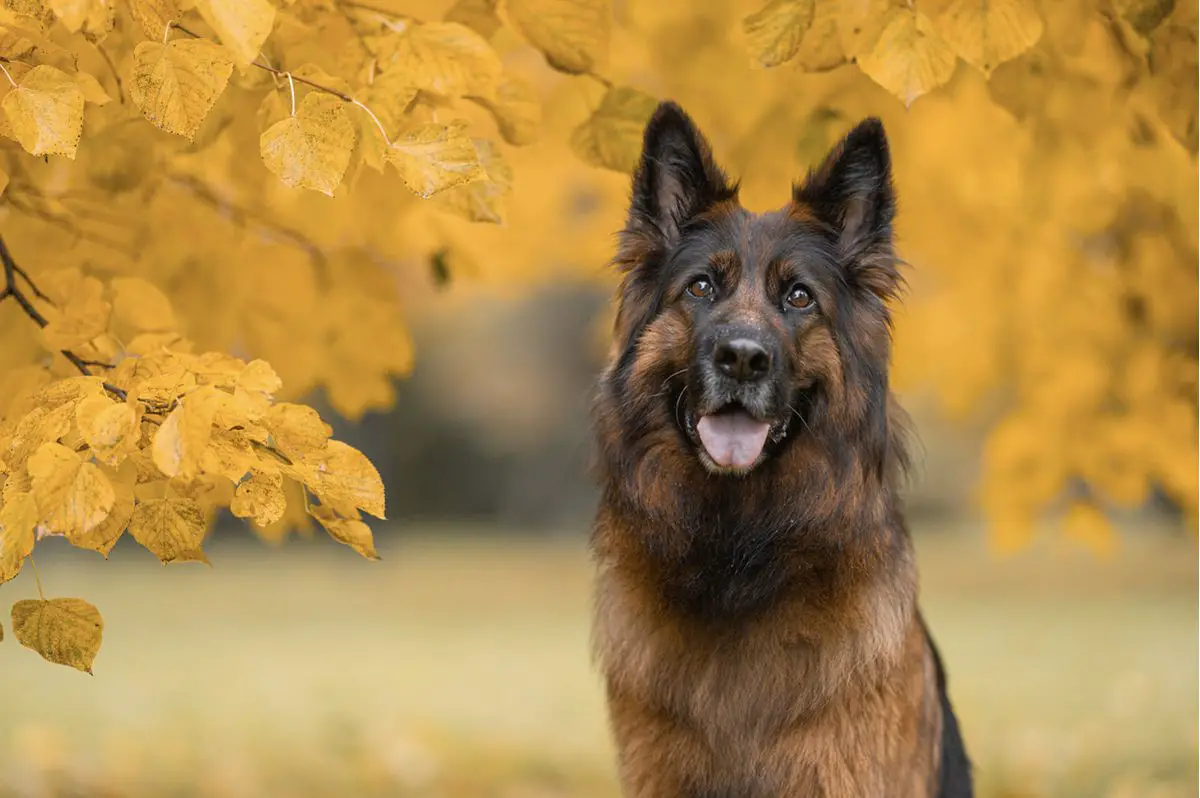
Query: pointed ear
point(851, 191)
point(676, 177)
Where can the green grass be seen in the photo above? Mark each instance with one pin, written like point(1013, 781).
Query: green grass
point(458, 666)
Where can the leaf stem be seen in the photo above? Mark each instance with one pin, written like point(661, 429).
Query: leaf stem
point(10, 80)
point(292, 90)
point(37, 577)
point(382, 131)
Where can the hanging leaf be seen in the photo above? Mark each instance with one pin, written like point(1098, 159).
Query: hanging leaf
point(775, 32)
point(988, 33)
point(447, 59)
point(242, 25)
point(909, 58)
point(517, 110)
point(435, 157)
point(65, 631)
point(45, 112)
point(175, 85)
point(311, 149)
point(572, 34)
point(172, 529)
point(72, 496)
point(612, 136)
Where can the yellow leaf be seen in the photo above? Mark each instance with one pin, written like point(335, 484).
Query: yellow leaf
point(517, 110)
point(161, 390)
point(18, 518)
point(242, 25)
point(260, 498)
point(821, 47)
point(104, 535)
point(41, 425)
point(260, 377)
point(65, 631)
point(172, 529)
point(139, 304)
point(175, 85)
point(340, 474)
point(92, 91)
point(72, 496)
point(3, 181)
point(180, 442)
point(573, 34)
point(909, 59)
point(106, 425)
point(350, 531)
point(229, 455)
point(311, 149)
point(611, 137)
point(478, 15)
point(46, 112)
point(986, 33)
point(435, 157)
point(74, 13)
point(296, 430)
point(860, 22)
point(446, 59)
point(482, 200)
point(1085, 523)
point(154, 15)
point(81, 316)
point(775, 32)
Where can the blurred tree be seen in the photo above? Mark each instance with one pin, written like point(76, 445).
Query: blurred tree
point(193, 189)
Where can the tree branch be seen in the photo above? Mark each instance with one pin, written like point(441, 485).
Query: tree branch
point(12, 289)
point(244, 217)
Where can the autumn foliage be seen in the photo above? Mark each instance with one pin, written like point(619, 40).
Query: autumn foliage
point(213, 208)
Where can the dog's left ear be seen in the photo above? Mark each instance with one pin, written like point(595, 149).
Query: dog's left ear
point(676, 177)
point(851, 191)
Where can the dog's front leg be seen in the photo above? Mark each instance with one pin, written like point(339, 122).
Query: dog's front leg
point(658, 755)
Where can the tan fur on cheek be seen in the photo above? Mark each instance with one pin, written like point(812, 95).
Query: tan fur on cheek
point(664, 343)
point(815, 355)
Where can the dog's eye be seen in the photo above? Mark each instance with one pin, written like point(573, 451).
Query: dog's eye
point(701, 288)
point(799, 297)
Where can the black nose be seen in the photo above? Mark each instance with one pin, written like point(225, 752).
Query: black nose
point(742, 359)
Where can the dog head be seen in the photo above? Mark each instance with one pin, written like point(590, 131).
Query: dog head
point(742, 338)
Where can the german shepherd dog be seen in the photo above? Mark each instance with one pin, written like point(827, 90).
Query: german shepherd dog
point(756, 618)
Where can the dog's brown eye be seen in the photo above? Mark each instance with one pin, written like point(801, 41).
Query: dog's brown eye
point(799, 298)
point(701, 289)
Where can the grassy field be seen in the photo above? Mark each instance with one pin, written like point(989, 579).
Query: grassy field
point(458, 666)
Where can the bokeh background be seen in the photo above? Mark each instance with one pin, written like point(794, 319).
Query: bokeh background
point(1047, 355)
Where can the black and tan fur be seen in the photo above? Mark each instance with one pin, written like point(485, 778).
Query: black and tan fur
point(758, 629)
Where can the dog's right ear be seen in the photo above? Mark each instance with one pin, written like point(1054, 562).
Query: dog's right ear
point(676, 177)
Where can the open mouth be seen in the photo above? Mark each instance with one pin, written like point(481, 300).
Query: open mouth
point(730, 438)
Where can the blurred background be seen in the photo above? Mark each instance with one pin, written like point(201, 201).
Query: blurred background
point(1046, 351)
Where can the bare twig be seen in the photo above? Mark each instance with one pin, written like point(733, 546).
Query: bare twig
point(115, 75)
point(372, 8)
point(279, 73)
point(245, 217)
point(13, 290)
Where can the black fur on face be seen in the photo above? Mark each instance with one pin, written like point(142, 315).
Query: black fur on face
point(733, 328)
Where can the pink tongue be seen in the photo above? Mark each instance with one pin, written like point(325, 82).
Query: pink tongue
point(733, 439)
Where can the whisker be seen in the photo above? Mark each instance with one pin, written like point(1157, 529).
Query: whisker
point(666, 384)
point(803, 420)
point(678, 402)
